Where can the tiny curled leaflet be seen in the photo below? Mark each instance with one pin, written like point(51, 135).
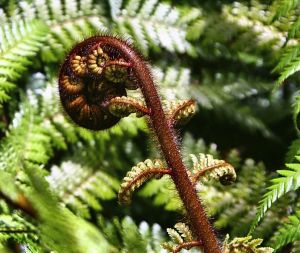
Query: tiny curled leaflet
point(181, 238)
point(206, 167)
point(138, 175)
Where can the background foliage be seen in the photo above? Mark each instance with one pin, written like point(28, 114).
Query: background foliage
point(231, 57)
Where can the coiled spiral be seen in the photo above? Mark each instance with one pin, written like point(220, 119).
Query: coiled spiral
point(93, 73)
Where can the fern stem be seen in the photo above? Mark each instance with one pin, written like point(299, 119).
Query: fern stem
point(187, 245)
point(170, 148)
point(20, 203)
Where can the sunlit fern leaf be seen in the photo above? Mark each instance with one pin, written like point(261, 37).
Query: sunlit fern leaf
point(296, 247)
point(131, 233)
point(128, 237)
point(296, 111)
point(28, 141)
point(14, 227)
point(179, 112)
point(87, 190)
point(294, 150)
point(289, 232)
point(181, 238)
point(140, 174)
point(20, 41)
point(295, 27)
point(288, 180)
point(173, 82)
point(69, 21)
point(153, 25)
point(245, 245)
point(282, 7)
point(291, 68)
point(59, 229)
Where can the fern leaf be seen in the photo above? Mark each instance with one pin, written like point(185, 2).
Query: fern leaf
point(295, 27)
point(179, 111)
point(296, 111)
point(138, 175)
point(290, 69)
point(184, 230)
point(288, 181)
point(20, 41)
point(133, 240)
point(153, 25)
point(123, 106)
point(181, 239)
point(90, 186)
point(290, 232)
point(245, 245)
point(282, 7)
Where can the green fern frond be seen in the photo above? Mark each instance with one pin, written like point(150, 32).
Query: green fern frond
point(140, 174)
point(14, 227)
point(33, 143)
point(288, 181)
point(296, 111)
point(290, 232)
point(291, 68)
point(59, 229)
point(294, 150)
point(68, 21)
point(282, 7)
point(296, 247)
point(128, 237)
point(294, 29)
point(20, 41)
point(89, 187)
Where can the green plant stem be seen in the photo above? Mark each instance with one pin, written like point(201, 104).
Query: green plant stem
point(170, 148)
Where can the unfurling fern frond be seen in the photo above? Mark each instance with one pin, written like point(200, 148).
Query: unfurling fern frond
point(138, 175)
point(180, 111)
point(207, 167)
point(289, 180)
point(89, 187)
point(290, 232)
point(181, 239)
point(20, 41)
point(245, 245)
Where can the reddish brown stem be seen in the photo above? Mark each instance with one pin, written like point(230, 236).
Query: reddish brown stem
point(169, 145)
point(20, 203)
point(187, 245)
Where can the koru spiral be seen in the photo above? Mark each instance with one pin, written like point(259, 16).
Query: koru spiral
point(92, 74)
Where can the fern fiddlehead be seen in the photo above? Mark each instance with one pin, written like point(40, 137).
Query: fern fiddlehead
point(101, 68)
